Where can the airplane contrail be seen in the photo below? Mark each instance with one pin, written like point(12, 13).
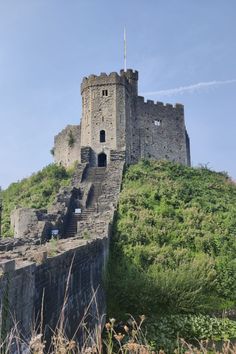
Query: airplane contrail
point(190, 88)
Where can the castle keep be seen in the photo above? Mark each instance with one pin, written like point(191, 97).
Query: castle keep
point(117, 123)
point(117, 127)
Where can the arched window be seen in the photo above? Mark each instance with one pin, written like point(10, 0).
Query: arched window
point(102, 136)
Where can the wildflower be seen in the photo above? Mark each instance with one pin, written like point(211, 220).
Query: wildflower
point(108, 326)
point(142, 317)
point(71, 345)
point(126, 328)
point(94, 349)
point(37, 344)
point(131, 346)
point(119, 337)
point(112, 320)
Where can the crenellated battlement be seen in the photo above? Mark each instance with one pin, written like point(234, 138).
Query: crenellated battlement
point(103, 79)
point(129, 74)
point(113, 78)
point(177, 107)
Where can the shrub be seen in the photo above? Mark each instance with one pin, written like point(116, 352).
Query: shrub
point(173, 246)
point(37, 191)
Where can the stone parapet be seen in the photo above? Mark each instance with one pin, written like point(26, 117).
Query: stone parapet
point(116, 155)
point(104, 79)
point(178, 108)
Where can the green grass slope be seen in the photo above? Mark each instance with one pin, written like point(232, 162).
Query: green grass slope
point(174, 243)
point(37, 191)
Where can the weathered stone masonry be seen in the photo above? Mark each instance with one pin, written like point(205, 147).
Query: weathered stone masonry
point(115, 118)
point(31, 268)
point(24, 286)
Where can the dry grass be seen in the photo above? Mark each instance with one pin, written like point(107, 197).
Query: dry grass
point(115, 339)
point(106, 338)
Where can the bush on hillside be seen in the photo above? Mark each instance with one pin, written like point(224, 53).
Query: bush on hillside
point(37, 191)
point(174, 242)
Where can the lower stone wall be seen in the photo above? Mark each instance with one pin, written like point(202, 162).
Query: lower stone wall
point(31, 272)
point(25, 288)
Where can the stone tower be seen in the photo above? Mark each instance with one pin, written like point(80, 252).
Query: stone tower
point(117, 123)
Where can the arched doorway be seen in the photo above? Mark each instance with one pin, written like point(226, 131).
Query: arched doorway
point(102, 160)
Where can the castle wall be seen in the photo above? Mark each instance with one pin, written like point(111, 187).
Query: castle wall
point(130, 119)
point(87, 264)
point(162, 131)
point(17, 289)
point(142, 129)
point(188, 148)
point(47, 282)
point(120, 117)
point(45, 267)
point(67, 146)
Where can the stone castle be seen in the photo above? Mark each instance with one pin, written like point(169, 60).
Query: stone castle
point(116, 120)
point(117, 128)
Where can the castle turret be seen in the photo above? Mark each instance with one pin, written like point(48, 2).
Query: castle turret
point(132, 77)
point(104, 109)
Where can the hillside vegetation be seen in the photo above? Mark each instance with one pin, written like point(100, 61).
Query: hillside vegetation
point(37, 191)
point(174, 243)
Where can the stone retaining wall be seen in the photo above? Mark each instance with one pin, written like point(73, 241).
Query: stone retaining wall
point(30, 271)
point(27, 287)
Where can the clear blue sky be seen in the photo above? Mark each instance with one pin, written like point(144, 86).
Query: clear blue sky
point(47, 46)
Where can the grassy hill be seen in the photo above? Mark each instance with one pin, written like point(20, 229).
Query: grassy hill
point(37, 191)
point(174, 243)
point(173, 248)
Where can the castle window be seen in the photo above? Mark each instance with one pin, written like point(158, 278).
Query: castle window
point(157, 123)
point(102, 136)
point(105, 92)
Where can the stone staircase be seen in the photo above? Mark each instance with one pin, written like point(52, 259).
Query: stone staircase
point(72, 225)
point(95, 176)
point(86, 214)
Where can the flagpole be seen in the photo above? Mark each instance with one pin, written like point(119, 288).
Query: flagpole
point(125, 50)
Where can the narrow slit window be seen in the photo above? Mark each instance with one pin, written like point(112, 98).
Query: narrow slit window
point(105, 93)
point(102, 136)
